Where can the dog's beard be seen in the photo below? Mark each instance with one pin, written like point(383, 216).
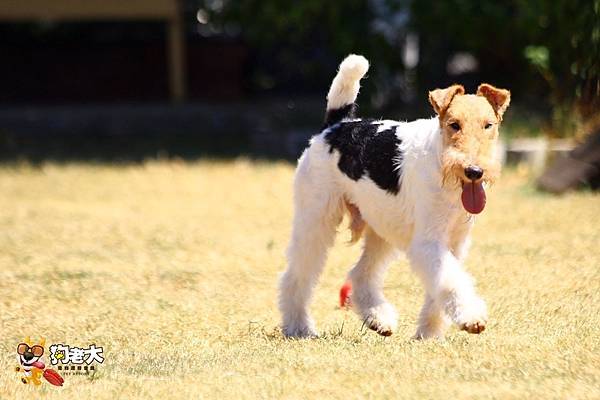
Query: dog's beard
point(451, 166)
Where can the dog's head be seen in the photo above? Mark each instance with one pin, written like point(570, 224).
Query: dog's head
point(469, 127)
point(29, 353)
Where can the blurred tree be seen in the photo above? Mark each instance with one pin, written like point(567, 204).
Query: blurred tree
point(487, 29)
point(564, 46)
point(558, 40)
point(545, 51)
point(298, 45)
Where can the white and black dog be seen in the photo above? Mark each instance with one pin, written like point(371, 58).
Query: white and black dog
point(409, 186)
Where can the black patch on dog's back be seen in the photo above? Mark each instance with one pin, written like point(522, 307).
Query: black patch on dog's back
point(364, 150)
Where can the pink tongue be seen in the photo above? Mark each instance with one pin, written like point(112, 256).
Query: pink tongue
point(473, 197)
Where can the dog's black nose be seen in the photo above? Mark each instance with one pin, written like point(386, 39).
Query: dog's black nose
point(473, 172)
point(28, 355)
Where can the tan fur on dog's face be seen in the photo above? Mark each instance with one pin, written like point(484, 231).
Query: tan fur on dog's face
point(469, 125)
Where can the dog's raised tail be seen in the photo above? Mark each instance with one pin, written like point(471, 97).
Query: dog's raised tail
point(344, 89)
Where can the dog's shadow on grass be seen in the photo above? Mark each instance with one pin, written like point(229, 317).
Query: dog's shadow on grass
point(338, 333)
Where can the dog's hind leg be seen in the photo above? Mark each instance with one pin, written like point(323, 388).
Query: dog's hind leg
point(357, 223)
point(318, 211)
point(367, 285)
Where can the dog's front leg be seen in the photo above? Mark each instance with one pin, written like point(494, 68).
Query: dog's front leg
point(449, 287)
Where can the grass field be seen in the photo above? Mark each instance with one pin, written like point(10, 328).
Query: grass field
point(172, 268)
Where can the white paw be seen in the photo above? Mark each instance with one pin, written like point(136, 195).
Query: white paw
point(433, 328)
point(426, 332)
point(381, 318)
point(471, 316)
point(303, 329)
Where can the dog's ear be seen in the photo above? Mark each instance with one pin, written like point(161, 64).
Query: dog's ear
point(498, 98)
point(440, 98)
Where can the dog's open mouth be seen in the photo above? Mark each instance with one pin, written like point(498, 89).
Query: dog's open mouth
point(473, 197)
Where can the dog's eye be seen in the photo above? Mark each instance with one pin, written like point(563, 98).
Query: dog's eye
point(488, 125)
point(455, 126)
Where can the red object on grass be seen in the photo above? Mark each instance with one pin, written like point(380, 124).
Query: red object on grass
point(53, 377)
point(345, 293)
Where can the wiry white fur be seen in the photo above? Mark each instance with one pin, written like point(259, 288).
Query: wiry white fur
point(425, 220)
point(346, 84)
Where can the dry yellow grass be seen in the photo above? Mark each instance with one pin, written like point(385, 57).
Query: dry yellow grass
point(172, 268)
